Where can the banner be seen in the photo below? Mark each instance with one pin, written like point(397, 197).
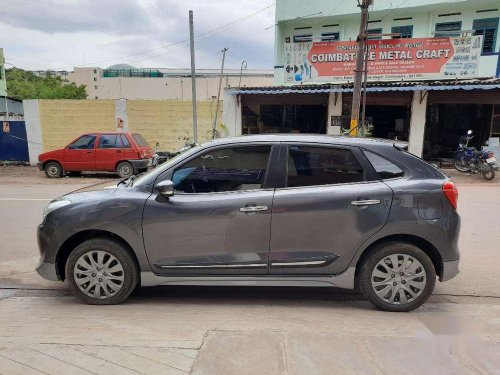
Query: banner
point(388, 59)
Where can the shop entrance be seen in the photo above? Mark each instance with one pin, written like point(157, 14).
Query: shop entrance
point(284, 113)
point(387, 114)
point(389, 122)
point(446, 123)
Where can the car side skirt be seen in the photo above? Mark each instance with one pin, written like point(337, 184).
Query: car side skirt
point(344, 280)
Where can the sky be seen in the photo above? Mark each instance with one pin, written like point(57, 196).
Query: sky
point(62, 34)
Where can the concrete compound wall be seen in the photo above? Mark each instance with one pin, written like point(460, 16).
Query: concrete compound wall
point(52, 124)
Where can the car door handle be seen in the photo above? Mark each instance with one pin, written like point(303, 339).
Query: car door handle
point(253, 209)
point(367, 202)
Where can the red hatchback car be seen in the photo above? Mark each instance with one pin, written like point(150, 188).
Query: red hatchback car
point(125, 153)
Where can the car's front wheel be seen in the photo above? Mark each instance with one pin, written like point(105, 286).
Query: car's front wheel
point(101, 272)
point(397, 276)
point(53, 169)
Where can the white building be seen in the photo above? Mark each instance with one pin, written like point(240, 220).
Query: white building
point(127, 82)
point(434, 76)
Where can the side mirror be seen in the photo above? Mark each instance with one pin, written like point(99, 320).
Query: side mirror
point(165, 188)
point(469, 132)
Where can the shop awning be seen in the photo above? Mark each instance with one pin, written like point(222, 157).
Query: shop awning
point(440, 85)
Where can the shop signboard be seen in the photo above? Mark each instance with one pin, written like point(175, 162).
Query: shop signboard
point(388, 59)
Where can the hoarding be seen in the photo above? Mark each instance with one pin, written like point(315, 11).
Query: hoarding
point(391, 59)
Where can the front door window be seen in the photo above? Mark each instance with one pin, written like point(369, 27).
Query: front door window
point(224, 170)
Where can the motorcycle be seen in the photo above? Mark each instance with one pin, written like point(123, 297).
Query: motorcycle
point(469, 159)
point(161, 157)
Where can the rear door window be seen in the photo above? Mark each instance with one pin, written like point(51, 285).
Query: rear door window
point(126, 143)
point(313, 166)
point(110, 141)
point(386, 169)
point(139, 139)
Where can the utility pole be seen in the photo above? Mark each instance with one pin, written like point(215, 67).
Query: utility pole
point(358, 72)
point(218, 93)
point(193, 77)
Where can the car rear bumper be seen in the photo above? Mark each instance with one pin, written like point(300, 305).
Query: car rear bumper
point(450, 270)
point(139, 164)
point(48, 271)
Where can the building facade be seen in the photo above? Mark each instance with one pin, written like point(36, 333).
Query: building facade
point(123, 81)
point(433, 73)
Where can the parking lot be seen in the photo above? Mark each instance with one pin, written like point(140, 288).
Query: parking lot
point(214, 330)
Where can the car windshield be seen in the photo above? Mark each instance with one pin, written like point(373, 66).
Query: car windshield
point(149, 177)
point(139, 139)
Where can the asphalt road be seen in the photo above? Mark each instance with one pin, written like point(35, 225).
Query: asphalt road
point(214, 330)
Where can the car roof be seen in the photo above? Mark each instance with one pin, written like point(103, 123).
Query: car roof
point(309, 138)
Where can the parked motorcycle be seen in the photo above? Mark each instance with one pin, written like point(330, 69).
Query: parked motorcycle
point(161, 157)
point(469, 159)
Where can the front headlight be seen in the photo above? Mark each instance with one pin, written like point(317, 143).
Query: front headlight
point(54, 206)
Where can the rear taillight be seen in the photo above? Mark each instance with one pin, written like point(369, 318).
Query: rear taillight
point(451, 193)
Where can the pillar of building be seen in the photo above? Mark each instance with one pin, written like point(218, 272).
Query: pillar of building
point(231, 113)
point(334, 118)
point(33, 129)
point(417, 123)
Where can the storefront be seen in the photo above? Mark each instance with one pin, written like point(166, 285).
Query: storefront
point(430, 115)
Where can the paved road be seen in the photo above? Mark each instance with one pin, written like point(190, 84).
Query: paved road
point(177, 330)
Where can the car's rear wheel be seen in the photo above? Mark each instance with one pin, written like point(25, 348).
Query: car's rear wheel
point(397, 276)
point(487, 171)
point(53, 169)
point(125, 169)
point(101, 272)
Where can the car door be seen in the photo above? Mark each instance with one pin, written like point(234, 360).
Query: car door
point(333, 202)
point(80, 154)
point(109, 152)
point(218, 221)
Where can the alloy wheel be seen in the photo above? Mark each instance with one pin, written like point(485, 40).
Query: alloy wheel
point(398, 279)
point(98, 274)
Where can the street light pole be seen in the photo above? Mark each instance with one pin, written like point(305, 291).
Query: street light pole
point(218, 93)
point(193, 77)
point(358, 72)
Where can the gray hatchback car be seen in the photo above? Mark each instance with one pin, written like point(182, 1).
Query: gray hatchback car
point(275, 210)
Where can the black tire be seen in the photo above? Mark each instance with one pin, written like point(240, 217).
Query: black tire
point(130, 272)
point(125, 169)
point(380, 253)
point(488, 172)
point(460, 166)
point(53, 169)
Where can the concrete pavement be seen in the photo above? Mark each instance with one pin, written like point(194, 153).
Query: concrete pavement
point(203, 330)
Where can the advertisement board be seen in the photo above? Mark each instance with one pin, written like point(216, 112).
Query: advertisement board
point(388, 59)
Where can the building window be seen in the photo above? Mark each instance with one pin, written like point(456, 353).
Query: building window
point(448, 29)
point(96, 87)
point(95, 71)
point(403, 31)
point(97, 97)
point(488, 29)
point(330, 37)
point(95, 79)
point(372, 34)
point(302, 38)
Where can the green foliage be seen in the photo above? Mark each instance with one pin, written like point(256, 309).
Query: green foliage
point(22, 84)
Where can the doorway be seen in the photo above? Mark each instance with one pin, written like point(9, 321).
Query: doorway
point(388, 121)
point(279, 118)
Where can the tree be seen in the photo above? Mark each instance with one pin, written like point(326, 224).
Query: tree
point(22, 84)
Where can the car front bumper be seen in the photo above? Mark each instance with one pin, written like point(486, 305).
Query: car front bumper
point(40, 166)
point(450, 270)
point(48, 271)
